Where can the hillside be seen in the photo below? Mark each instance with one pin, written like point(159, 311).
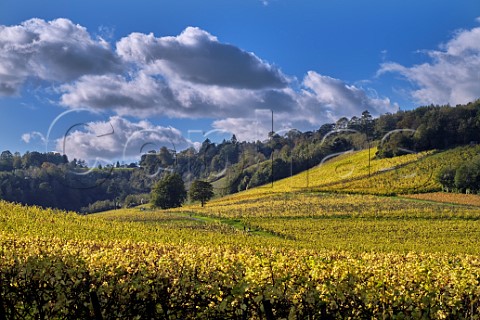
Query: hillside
point(415, 177)
point(333, 173)
point(354, 173)
point(52, 180)
point(291, 251)
point(243, 259)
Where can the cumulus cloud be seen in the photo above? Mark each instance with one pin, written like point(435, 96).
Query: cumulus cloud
point(326, 98)
point(254, 128)
point(54, 51)
point(322, 99)
point(452, 75)
point(249, 129)
point(140, 96)
point(118, 138)
point(195, 75)
point(144, 95)
point(190, 75)
point(196, 56)
point(28, 137)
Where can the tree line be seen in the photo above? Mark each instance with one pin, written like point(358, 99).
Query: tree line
point(52, 180)
point(465, 178)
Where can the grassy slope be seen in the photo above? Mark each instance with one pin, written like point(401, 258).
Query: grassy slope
point(351, 165)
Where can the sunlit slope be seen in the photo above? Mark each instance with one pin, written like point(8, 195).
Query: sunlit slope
point(416, 177)
point(346, 167)
point(317, 205)
point(118, 225)
point(296, 221)
point(453, 198)
point(336, 171)
point(323, 260)
point(354, 173)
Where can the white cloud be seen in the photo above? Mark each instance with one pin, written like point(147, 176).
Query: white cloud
point(195, 75)
point(451, 77)
point(144, 95)
point(255, 128)
point(119, 138)
point(249, 129)
point(140, 96)
point(191, 75)
point(327, 99)
point(322, 99)
point(28, 137)
point(54, 51)
point(198, 57)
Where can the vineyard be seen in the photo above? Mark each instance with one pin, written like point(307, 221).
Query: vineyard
point(350, 166)
point(332, 247)
point(360, 172)
point(455, 198)
point(415, 177)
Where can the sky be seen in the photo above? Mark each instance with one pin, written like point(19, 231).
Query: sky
point(107, 80)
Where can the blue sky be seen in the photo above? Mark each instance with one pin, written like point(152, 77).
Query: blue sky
point(164, 72)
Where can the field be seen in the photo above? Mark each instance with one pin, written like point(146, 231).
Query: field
point(411, 178)
point(336, 172)
point(325, 250)
point(454, 198)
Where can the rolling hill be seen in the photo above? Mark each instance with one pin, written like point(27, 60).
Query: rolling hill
point(314, 245)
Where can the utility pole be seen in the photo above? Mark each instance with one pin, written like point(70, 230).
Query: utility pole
point(369, 168)
point(272, 150)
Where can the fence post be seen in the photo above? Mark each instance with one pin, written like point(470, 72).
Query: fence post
point(267, 307)
point(2, 309)
point(96, 305)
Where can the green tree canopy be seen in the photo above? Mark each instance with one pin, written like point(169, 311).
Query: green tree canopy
point(467, 176)
point(201, 191)
point(6, 161)
point(169, 192)
point(446, 177)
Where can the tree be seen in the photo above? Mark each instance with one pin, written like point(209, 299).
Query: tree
point(32, 159)
point(467, 176)
point(366, 123)
point(341, 123)
point(17, 160)
point(326, 128)
point(165, 157)
point(6, 161)
point(446, 177)
point(201, 191)
point(169, 192)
